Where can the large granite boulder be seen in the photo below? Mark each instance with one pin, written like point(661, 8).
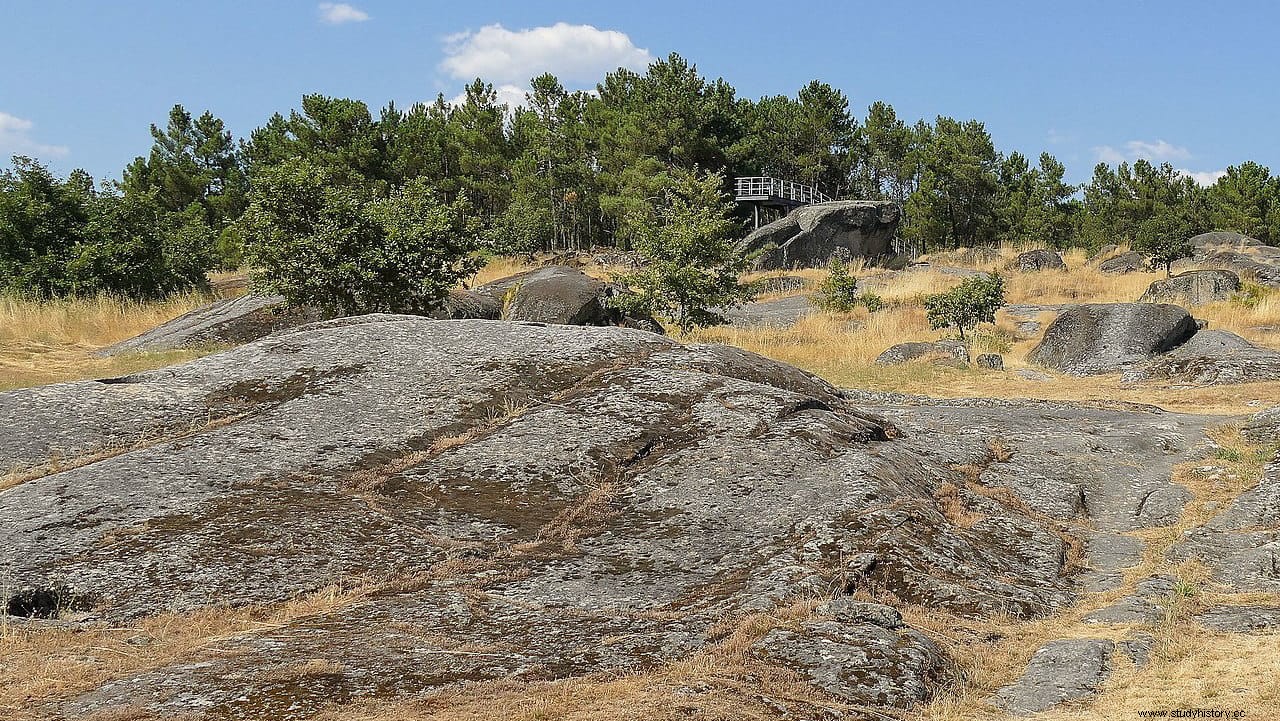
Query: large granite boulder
point(1211, 357)
point(551, 294)
point(1108, 337)
point(1128, 262)
point(1037, 260)
point(811, 235)
point(1195, 287)
point(1264, 270)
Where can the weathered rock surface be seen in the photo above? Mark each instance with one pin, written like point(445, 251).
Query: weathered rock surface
point(1241, 619)
point(1060, 671)
point(551, 294)
point(1242, 544)
point(610, 493)
point(1196, 287)
point(1211, 357)
point(1108, 337)
point(230, 321)
point(1263, 426)
point(1128, 262)
point(1037, 260)
point(811, 235)
point(422, 452)
point(943, 352)
point(990, 361)
point(771, 313)
point(1146, 605)
point(1263, 270)
point(863, 662)
point(1224, 240)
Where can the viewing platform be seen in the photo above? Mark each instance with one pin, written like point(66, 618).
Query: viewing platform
point(783, 196)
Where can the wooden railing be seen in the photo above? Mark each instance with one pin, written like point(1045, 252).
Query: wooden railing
point(766, 188)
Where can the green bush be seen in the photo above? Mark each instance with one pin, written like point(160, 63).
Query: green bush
point(346, 251)
point(839, 292)
point(974, 301)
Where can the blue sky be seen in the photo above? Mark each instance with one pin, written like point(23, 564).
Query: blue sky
point(1191, 83)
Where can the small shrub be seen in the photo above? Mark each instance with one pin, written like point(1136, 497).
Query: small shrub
point(839, 292)
point(871, 301)
point(974, 301)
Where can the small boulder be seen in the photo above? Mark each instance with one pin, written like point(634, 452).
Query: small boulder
point(1103, 253)
point(1212, 357)
point(865, 663)
point(1195, 287)
point(991, 361)
point(1061, 671)
point(1241, 619)
point(943, 352)
point(1263, 427)
point(1107, 337)
point(552, 294)
point(1037, 260)
point(847, 610)
point(1129, 262)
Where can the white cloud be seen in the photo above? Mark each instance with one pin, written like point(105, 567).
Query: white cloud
point(576, 54)
point(341, 13)
point(512, 95)
point(15, 139)
point(1204, 178)
point(1158, 151)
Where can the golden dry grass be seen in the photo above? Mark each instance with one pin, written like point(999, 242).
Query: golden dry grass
point(49, 341)
point(47, 664)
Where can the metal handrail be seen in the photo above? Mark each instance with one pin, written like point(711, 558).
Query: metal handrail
point(767, 187)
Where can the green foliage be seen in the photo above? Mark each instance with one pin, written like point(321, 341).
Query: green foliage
point(62, 238)
point(687, 240)
point(839, 291)
point(346, 250)
point(1164, 238)
point(955, 203)
point(974, 301)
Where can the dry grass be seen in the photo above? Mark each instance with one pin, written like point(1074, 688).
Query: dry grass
point(46, 664)
point(722, 683)
point(49, 341)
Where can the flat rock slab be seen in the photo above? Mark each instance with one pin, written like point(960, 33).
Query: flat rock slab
point(1146, 605)
point(864, 663)
point(1211, 357)
point(1242, 544)
point(1241, 619)
point(611, 493)
point(1060, 671)
point(231, 320)
point(778, 313)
